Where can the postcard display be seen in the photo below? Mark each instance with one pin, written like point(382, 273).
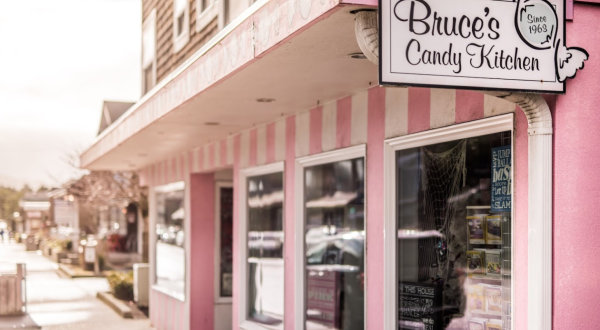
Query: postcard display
point(454, 235)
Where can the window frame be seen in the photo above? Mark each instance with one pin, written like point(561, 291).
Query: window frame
point(206, 15)
point(181, 38)
point(244, 174)
point(218, 298)
point(486, 126)
point(170, 187)
point(149, 26)
point(358, 151)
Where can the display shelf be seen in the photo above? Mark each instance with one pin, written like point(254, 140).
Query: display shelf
point(502, 280)
point(497, 316)
point(485, 277)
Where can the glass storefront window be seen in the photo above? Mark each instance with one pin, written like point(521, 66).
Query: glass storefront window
point(265, 250)
point(454, 234)
point(335, 243)
point(170, 238)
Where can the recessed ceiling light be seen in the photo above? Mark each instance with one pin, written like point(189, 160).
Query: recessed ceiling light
point(358, 56)
point(212, 123)
point(265, 100)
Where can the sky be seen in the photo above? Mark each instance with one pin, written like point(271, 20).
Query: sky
point(59, 60)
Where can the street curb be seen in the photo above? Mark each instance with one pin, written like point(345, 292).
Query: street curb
point(115, 304)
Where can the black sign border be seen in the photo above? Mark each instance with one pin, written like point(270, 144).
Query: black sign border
point(463, 87)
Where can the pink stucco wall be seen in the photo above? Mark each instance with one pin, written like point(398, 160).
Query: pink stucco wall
point(202, 242)
point(577, 183)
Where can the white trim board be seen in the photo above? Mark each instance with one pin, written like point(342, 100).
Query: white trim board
point(278, 167)
point(181, 38)
point(359, 151)
point(206, 15)
point(476, 128)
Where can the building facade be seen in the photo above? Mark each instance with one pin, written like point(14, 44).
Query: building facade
point(290, 191)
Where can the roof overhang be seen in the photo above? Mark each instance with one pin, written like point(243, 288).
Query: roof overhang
point(293, 51)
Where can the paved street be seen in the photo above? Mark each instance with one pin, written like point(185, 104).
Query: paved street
point(57, 303)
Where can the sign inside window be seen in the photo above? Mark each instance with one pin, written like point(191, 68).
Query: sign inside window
point(477, 44)
point(501, 179)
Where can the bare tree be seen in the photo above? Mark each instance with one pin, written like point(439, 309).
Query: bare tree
point(100, 189)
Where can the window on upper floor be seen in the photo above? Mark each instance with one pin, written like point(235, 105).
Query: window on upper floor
point(181, 24)
point(206, 12)
point(149, 52)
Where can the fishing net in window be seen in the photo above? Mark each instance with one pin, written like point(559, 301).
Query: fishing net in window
point(443, 175)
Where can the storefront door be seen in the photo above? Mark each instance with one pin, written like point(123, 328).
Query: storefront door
point(223, 254)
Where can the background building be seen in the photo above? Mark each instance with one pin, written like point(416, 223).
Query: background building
point(35, 211)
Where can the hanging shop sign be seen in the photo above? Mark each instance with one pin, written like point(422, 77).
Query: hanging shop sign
point(476, 44)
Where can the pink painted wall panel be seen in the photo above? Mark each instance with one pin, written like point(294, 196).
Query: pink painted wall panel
point(223, 150)
point(289, 183)
point(173, 170)
point(270, 142)
point(253, 148)
point(152, 310)
point(343, 122)
point(316, 130)
point(202, 240)
point(577, 183)
point(182, 171)
point(165, 172)
point(469, 105)
point(211, 156)
point(419, 108)
point(375, 197)
point(166, 312)
point(191, 161)
point(200, 157)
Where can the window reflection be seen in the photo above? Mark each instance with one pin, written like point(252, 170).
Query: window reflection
point(170, 235)
point(335, 238)
point(265, 250)
point(453, 240)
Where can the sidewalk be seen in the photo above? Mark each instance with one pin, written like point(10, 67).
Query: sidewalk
point(57, 303)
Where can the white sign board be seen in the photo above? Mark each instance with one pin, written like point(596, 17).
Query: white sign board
point(89, 254)
point(476, 44)
point(65, 213)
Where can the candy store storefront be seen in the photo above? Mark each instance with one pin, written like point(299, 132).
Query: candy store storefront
point(295, 184)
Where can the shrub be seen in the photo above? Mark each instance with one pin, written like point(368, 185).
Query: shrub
point(101, 262)
point(121, 284)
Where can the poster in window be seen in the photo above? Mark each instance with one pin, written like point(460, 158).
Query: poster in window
point(501, 179)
